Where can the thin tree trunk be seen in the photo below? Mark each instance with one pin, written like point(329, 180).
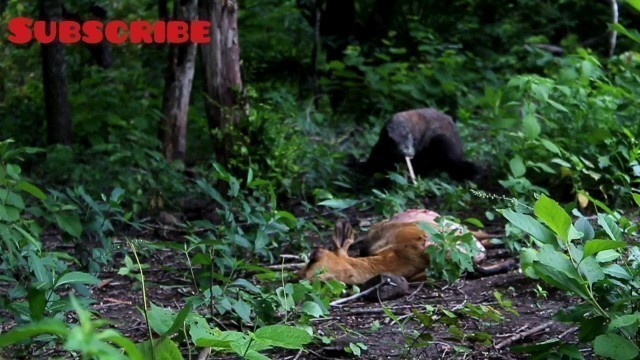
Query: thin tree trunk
point(54, 78)
point(163, 10)
point(221, 61)
point(315, 52)
point(177, 90)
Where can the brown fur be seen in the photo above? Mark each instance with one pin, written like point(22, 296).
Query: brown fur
point(405, 257)
point(395, 247)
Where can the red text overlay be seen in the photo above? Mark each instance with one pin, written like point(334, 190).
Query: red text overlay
point(24, 30)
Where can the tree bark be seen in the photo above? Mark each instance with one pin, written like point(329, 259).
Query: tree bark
point(177, 88)
point(163, 10)
point(221, 61)
point(54, 79)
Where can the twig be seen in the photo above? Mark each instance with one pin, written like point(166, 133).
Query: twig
point(358, 295)
point(567, 332)
point(523, 335)
point(294, 266)
point(416, 291)
point(376, 310)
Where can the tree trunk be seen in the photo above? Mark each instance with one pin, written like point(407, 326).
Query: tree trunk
point(221, 61)
point(163, 10)
point(54, 80)
point(177, 88)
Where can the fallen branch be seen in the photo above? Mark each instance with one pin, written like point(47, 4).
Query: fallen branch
point(523, 335)
point(358, 295)
point(294, 266)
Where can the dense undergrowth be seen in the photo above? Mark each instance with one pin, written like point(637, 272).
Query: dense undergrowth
point(544, 126)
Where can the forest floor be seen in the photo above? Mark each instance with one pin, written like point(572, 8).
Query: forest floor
point(118, 298)
point(365, 322)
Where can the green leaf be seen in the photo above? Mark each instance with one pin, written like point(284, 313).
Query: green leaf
point(518, 169)
point(607, 255)
point(311, 308)
point(36, 265)
point(282, 336)
point(530, 225)
point(552, 276)
point(550, 146)
point(614, 346)
point(636, 197)
point(160, 319)
point(13, 171)
point(609, 225)
point(338, 204)
point(25, 332)
point(9, 213)
point(531, 128)
point(624, 320)
point(590, 268)
point(557, 106)
point(127, 345)
point(209, 190)
point(631, 34)
point(11, 198)
point(31, 189)
point(165, 349)
point(584, 226)
point(554, 216)
point(76, 277)
point(69, 223)
point(634, 3)
point(243, 310)
point(597, 245)
point(178, 322)
point(617, 271)
point(37, 303)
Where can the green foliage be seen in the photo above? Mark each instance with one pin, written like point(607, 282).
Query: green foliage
point(599, 265)
point(451, 253)
point(85, 338)
point(565, 127)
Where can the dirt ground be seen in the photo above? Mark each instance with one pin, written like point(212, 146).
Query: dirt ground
point(118, 297)
point(365, 322)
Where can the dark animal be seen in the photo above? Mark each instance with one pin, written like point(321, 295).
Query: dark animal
point(429, 137)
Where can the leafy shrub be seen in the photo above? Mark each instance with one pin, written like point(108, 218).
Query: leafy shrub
point(577, 99)
point(598, 265)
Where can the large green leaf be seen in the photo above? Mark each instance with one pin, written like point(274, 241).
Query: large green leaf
point(634, 3)
point(37, 303)
point(282, 336)
point(559, 279)
point(625, 320)
point(590, 268)
point(69, 223)
point(609, 225)
point(530, 127)
point(595, 246)
point(552, 214)
point(25, 332)
point(518, 169)
point(614, 346)
point(165, 349)
point(530, 225)
point(31, 189)
point(160, 319)
point(77, 277)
